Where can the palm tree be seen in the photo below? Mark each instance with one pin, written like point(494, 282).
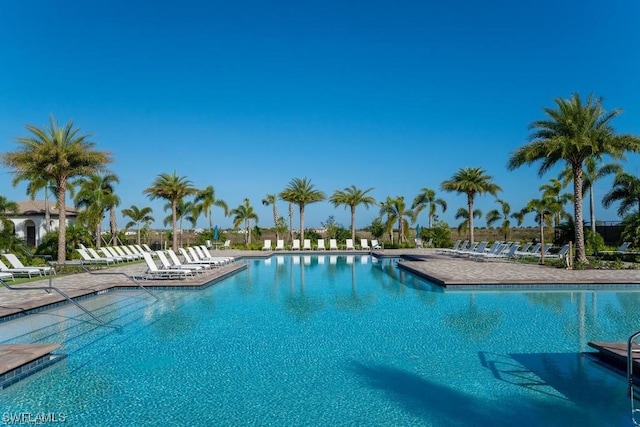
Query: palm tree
point(270, 200)
point(543, 209)
point(55, 154)
point(427, 198)
point(503, 214)
point(626, 190)
point(95, 195)
point(206, 200)
point(7, 206)
point(352, 196)
point(173, 189)
point(471, 181)
point(302, 192)
point(291, 221)
point(184, 210)
point(463, 214)
point(395, 209)
point(138, 217)
point(553, 190)
point(590, 175)
point(572, 133)
point(244, 213)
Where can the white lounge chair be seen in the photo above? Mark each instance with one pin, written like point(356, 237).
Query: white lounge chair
point(418, 243)
point(267, 245)
point(320, 245)
point(168, 265)
point(306, 245)
point(333, 245)
point(16, 263)
point(207, 254)
point(623, 248)
point(280, 245)
point(198, 257)
point(227, 244)
point(86, 258)
point(175, 261)
point(375, 244)
point(19, 271)
point(153, 272)
point(348, 245)
point(457, 245)
point(5, 275)
point(296, 245)
point(364, 244)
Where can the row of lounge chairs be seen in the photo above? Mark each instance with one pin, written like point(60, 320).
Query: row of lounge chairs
point(19, 269)
point(113, 254)
point(320, 245)
point(501, 250)
point(196, 260)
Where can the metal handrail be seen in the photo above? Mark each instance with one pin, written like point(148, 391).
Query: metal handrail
point(118, 273)
point(630, 352)
point(49, 289)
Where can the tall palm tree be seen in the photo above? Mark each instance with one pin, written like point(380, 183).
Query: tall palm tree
point(56, 154)
point(471, 181)
point(301, 192)
point(395, 209)
point(463, 214)
point(427, 199)
point(573, 132)
point(173, 189)
point(352, 196)
point(626, 190)
point(244, 214)
point(138, 217)
point(270, 200)
point(592, 172)
point(206, 200)
point(553, 190)
point(503, 214)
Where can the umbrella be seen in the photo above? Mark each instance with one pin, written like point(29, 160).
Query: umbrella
point(418, 231)
point(215, 233)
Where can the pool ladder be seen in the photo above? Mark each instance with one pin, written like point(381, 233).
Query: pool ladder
point(632, 388)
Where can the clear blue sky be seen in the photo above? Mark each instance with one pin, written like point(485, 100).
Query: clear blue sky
point(247, 95)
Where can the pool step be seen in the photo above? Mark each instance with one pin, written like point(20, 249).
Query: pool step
point(18, 361)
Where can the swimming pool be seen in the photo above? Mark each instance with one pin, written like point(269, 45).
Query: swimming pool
point(329, 341)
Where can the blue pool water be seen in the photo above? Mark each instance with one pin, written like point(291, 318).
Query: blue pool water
point(344, 341)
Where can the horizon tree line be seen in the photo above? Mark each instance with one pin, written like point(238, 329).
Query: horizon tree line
point(576, 133)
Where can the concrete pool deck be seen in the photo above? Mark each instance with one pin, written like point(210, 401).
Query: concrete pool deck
point(447, 271)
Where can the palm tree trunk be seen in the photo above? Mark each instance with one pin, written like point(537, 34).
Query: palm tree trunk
point(592, 207)
point(353, 223)
point(113, 222)
point(275, 220)
point(174, 220)
point(542, 237)
point(301, 222)
point(62, 221)
point(470, 207)
point(581, 255)
point(291, 221)
point(47, 213)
